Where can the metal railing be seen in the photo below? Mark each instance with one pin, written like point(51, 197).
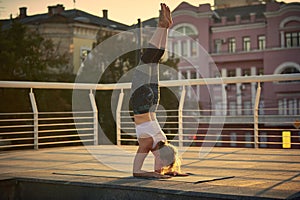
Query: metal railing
point(36, 129)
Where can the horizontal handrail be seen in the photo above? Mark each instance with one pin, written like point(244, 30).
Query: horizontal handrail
point(167, 83)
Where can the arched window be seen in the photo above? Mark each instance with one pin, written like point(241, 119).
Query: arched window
point(184, 29)
point(184, 40)
point(290, 34)
point(287, 68)
point(290, 70)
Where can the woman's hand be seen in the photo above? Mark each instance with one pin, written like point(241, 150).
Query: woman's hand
point(151, 175)
point(176, 174)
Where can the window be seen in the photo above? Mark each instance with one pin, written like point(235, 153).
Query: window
point(260, 71)
point(184, 48)
point(292, 109)
point(247, 108)
point(217, 74)
point(183, 45)
point(231, 45)
point(261, 42)
point(183, 75)
point(298, 109)
point(246, 43)
point(288, 106)
point(232, 108)
point(280, 107)
point(175, 49)
point(231, 73)
point(218, 45)
point(248, 139)
point(263, 140)
point(246, 72)
point(218, 108)
point(193, 75)
point(194, 48)
point(185, 30)
point(289, 70)
point(219, 140)
point(292, 39)
point(261, 108)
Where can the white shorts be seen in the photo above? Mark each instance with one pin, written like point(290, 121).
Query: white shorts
point(151, 129)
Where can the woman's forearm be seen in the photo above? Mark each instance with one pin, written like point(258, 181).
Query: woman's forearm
point(138, 162)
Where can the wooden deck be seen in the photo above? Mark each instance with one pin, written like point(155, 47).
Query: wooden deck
point(231, 173)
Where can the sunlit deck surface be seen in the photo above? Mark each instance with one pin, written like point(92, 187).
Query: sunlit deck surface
point(78, 173)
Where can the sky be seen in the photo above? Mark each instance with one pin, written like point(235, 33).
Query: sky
point(123, 11)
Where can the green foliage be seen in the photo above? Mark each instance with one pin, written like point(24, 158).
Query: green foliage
point(26, 55)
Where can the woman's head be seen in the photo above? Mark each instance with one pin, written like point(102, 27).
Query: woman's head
point(168, 155)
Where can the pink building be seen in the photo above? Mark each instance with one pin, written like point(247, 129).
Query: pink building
point(248, 40)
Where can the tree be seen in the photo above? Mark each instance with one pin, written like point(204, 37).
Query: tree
point(26, 55)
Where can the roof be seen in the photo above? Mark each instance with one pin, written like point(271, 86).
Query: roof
point(230, 12)
point(186, 6)
point(69, 16)
point(150, 22)
point(243, 11)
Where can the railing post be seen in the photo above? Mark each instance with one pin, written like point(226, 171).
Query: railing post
point(95, 116)
point(35, 119)
point(180, 117)
point(118, 117)
point(256, 105)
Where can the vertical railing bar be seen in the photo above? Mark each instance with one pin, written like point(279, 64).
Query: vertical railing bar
point(118, 116)
point(95, 116)
point(180, 117)
point(35, 119)
point(255, 115)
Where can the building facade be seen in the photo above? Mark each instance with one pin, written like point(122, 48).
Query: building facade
point(73, 31)
point(242, 40)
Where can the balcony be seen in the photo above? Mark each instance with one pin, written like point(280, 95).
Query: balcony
point(184, 126)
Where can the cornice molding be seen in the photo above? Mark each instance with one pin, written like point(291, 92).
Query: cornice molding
point(282, 10)
point(237, 27)
point(192, 14)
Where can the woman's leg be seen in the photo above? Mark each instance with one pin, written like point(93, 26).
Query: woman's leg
point(144, 89)
point(147, 74)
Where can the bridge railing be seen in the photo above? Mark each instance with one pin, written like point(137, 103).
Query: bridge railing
point(182, 126)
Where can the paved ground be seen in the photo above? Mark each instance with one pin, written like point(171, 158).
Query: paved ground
point(219, 172)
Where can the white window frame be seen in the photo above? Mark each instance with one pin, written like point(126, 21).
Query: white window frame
point(246, 43)
point(231, 45)
point(261, 42)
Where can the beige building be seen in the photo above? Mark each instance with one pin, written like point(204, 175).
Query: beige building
point(73, 31)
